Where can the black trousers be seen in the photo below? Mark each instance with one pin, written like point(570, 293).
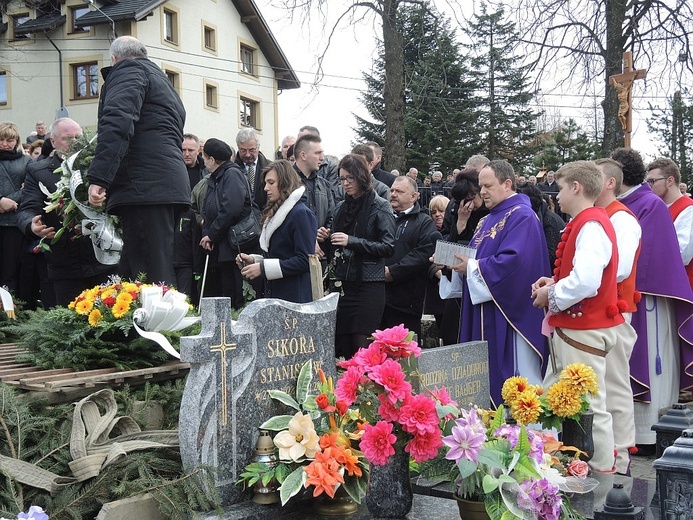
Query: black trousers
point(393, 317)
point(148, 242)
point(68, 289)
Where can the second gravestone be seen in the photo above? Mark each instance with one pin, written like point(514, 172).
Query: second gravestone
point(234, 365)
point(462, 369)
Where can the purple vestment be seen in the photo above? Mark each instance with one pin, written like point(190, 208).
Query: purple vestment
point(660, 273)
point(511, 251)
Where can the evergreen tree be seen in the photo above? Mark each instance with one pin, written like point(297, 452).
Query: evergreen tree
point(674, 128)
point(504, 121)
point(437, 110)
point(565, 144)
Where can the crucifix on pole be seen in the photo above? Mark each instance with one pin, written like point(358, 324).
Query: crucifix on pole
point(623, 84)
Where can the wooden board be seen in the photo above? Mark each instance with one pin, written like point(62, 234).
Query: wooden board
point(70, 382)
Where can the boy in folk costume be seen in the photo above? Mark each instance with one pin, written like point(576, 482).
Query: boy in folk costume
point(582, 297)
point(619, 395)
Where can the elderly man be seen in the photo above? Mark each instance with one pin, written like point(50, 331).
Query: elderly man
point(138, 168)
point(287, 143)
point(72, 266)
point(40, 133)
point(496, 302)
point(406, 271)
point(251, 162)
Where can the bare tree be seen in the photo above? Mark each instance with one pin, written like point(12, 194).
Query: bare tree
point(579, 43)
point(385, 12)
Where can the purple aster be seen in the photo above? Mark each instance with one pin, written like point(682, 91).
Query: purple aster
point(536, 443)
point(511, 433)
point(464, 442)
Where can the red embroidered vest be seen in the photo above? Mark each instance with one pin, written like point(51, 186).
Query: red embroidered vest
point(626, 288)
point(675, 210)
point(600, 311)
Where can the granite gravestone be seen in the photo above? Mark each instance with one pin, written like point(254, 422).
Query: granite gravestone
point(462, 369)
point(234, 365)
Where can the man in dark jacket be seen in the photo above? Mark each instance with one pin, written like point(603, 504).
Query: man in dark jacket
point(405, 272)
point(138, 167)
point(72, 266)
point(377, 171)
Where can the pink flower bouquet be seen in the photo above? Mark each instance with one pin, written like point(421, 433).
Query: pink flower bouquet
point(378, 382)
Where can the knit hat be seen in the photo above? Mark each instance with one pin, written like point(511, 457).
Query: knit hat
point(218, 150)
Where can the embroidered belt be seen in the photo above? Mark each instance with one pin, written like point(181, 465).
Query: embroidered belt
point(580, 346)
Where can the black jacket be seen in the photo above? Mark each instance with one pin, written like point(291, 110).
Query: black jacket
point(383, 176)
point(138, 157)
point(415, 241)
point(259, 195)
point(226, 203)
point(370, 247)
point(12, 174)
point(70, 258)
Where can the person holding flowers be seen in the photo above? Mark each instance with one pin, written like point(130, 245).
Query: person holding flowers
point(582, 297)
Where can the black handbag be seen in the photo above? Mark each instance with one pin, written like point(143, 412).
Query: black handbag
point(248, 228)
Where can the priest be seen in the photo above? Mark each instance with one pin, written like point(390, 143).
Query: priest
point(662, 359)
point(496, 300)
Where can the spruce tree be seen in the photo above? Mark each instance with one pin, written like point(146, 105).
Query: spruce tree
point(437, 110)
point(505, 122)
point(565, 144)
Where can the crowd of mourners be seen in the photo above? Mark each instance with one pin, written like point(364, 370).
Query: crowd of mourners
point(589, 264)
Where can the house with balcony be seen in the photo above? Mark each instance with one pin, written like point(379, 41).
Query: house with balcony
point(220, 55)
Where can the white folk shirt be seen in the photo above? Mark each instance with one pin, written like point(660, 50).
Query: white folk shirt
point(628, 234)
point(684, 233)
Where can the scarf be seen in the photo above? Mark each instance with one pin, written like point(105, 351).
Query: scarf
point(10, 155)
point(353, 220)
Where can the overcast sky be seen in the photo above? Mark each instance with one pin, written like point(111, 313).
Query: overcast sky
point(330, 105)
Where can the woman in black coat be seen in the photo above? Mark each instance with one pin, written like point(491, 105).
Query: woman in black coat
point(363, 236)
point(289, 231)
point(227, 202)
point(13, 163)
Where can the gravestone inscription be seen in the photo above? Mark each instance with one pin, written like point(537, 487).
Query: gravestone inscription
point(233, 367)
point(462, 369)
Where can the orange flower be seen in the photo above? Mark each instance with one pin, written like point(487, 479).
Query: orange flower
point(120, 309)
point(513, 387)
point(95, 317)
point(351, 463)
point(582, 377)
point(329, 440)
point(526, 407)
point(323, 473)
point(563, 400)
point(84, 307)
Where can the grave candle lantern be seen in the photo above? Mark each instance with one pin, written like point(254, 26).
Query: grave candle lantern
point(670, 426)
point(675, 476)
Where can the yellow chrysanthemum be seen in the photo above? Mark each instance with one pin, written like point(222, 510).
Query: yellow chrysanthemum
point(563, 399)
point(526, 407)
point(582, 377)
point(513, 387)
point(84, 307)
point(108, 292)
point(91, 294)
point(95, 317)
point(120, 309)
point(72, 304)
point(124, 297)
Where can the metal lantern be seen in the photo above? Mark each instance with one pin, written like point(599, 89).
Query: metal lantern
point(265, 452)
point(671, 425)
point(618, 505)
point(675, 477)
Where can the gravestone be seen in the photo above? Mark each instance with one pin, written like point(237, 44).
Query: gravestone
point(234, 365)
point(462, 369)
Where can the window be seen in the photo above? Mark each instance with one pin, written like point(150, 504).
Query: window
point(211, 96)
point(76, 12)
point(85, 80)
point(249, 113)
point(248, 65)
point(174, 78)
point(18, 19)
point(3, 88)
point(171, 26)
point(210, 38)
